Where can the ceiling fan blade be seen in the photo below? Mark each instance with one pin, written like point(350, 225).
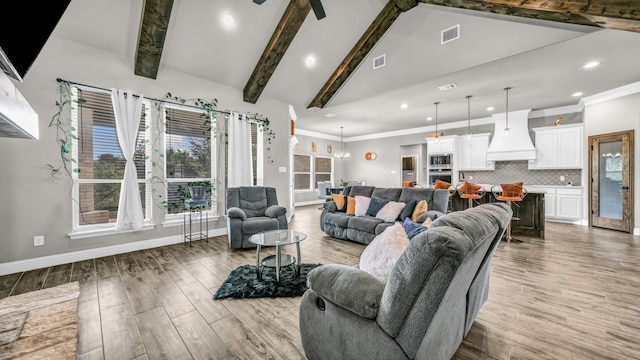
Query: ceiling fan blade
point(316, 5)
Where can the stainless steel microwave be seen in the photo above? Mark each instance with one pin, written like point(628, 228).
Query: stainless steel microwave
point(440, 161)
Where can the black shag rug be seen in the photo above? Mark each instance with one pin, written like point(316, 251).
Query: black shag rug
point(243, 282)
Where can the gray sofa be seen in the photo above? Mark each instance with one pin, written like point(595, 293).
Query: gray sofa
point(363, 229)
point(425, 309)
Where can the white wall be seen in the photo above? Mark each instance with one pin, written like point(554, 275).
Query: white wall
point(34, 203)
point(619, 114)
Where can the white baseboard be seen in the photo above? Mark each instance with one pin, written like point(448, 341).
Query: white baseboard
point(636, 231)
point(59, 259)
point(313, 202)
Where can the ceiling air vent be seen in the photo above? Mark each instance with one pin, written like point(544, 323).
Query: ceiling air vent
point(450, 34)
point(379, 61)
point(447, 87)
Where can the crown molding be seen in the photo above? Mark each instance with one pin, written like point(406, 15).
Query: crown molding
point(615, 93)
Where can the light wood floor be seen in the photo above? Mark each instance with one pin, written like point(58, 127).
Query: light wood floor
point(575, 295)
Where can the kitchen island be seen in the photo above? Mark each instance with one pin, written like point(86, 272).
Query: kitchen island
point(530, 211)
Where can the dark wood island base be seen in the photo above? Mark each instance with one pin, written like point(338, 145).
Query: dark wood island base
point(530, 211)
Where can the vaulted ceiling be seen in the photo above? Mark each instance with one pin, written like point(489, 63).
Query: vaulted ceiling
point(537, 47)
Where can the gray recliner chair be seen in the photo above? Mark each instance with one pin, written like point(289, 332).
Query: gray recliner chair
point(426, 307)
point(250, 210)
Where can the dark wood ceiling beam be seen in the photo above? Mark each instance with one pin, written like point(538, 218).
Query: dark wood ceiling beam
point(613, 14)
point(153, 31)
point(282, 36)
point(367, 41)
point(405, 5)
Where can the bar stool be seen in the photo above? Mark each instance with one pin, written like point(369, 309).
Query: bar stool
point(439, 184)
point(470, 192)
point(509, 193)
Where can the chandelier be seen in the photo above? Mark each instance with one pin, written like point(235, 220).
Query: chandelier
point(341, 155)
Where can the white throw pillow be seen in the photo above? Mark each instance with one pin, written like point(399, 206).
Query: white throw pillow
point(362, 204)
point(390, 211)
point(380, 256)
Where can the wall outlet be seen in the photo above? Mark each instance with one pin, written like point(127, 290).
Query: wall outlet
point(283, 169)
point(470, 177)
point(38, 240)
point(562, 178)
point(393, 172)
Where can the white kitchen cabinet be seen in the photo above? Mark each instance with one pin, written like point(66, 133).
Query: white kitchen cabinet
point(569, 203)
point(441, 145)
point(558, 147)
point(471, 152)
point(561, 203)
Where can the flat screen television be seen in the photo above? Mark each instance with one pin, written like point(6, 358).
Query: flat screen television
point(19, 46)
point(408, 163)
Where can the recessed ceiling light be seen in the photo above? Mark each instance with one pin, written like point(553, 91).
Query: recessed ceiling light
point(429, 118)
point(228, 22)
point(490, 108)
point(591, 64)
point(310, 61)
point(331, 115)
point(404, 106)
point(576, 94)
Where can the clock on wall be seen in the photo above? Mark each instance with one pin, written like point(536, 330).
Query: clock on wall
point(370, 156)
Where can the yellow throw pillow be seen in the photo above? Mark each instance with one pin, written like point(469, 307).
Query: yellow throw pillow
point(351, 205)
point(339, 200)
point(421, 207)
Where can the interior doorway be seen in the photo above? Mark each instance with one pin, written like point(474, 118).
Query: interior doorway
point(611, 181)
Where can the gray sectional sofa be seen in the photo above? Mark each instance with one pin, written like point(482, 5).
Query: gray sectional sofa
point(363, 229)
point(426, 307)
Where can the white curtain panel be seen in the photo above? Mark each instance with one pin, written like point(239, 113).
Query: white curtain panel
point(128, 109)
point(240, 169)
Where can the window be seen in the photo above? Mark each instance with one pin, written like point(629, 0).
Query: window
point(323, 168)
point(189, 156)
point(96, 186)
point(256, 154)
point(302, 172)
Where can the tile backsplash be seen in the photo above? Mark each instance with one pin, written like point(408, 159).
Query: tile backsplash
point(514, 171)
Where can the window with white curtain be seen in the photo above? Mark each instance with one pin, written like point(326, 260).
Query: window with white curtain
point(302, 172)
point(257, 158)
point(101, 164)
point(189, 156)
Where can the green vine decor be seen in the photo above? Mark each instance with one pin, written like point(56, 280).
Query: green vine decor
point(65, 132)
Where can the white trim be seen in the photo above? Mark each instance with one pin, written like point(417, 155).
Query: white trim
point(311, 202)
point(70, 257)
point(316, 135)
point(636, 231)
point(96, 230)
point(561, 110)
point(611, 94)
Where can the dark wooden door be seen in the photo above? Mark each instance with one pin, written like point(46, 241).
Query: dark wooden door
point(611, 181)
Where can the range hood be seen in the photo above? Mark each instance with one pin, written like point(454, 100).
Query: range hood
point(17, 117)
point(514, 144)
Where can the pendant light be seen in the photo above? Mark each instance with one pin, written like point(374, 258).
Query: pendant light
point(506, 129)
point(342, 155)
point(468, 116)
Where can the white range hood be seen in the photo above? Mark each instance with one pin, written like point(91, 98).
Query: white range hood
point(17, 117)
point(514, 144)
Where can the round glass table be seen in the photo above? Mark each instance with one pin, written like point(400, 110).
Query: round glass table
point(277, 238)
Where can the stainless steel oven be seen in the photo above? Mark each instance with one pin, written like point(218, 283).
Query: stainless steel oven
point(440, 174)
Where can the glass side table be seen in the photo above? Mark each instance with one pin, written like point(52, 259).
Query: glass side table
point(194, 213)
point(277, 238)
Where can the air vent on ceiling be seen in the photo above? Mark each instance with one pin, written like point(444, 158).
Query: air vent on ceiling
point(379, 61)
point(450, 34)
point(447, 87)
